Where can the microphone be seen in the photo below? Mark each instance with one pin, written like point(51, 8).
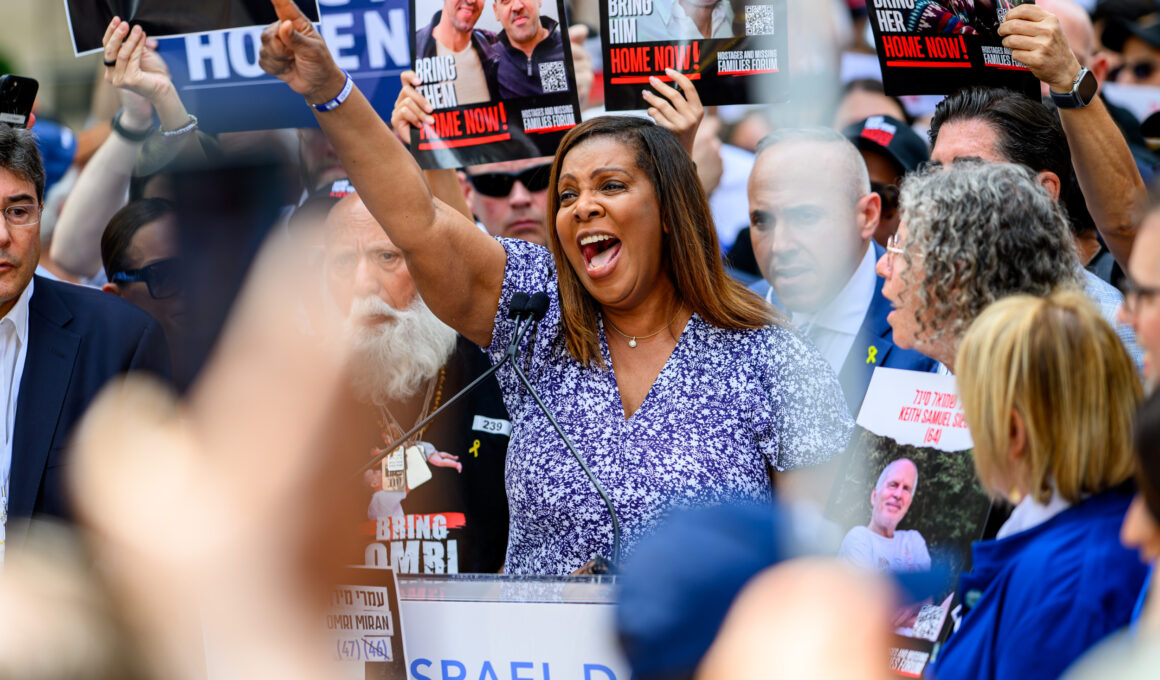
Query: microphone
point(537, 307)
point(518, 304)
point(517, 310)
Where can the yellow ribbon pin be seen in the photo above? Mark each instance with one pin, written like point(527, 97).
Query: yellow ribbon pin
point(872, 355)
point(474, 450)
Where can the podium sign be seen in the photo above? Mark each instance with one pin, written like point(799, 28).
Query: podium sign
point(510, 628)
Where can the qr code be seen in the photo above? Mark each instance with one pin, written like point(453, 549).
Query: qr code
point(929, 623)
point(553, 77)
point(759, 20)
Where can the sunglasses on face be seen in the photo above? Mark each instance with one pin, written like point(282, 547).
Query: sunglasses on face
point(162, 278)
point(1142, 70)
point(499, 184)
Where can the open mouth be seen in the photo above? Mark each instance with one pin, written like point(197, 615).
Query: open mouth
point(599, 252)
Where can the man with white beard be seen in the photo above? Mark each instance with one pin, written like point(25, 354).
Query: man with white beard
point(439, 504)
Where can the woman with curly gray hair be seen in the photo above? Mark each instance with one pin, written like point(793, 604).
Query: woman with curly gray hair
point(971, 233)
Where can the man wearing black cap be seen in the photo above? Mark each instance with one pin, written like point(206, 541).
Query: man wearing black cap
point(812, 219)
point(890, 149)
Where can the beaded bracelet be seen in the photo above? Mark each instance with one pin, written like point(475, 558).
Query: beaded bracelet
point(189, 126)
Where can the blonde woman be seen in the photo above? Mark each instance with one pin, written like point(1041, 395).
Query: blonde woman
point(1049, 394)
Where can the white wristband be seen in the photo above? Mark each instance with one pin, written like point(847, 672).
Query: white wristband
point(337, 101)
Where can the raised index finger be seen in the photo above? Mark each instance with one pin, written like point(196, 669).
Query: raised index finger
point(288, 11)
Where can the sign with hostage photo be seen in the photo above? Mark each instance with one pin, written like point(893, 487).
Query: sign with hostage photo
point(907, 499)
point(87, 19)
point(499, 76)
point(734, 51)
point(939, 46)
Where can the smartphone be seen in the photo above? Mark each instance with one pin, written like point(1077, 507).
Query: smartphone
point(17, 95)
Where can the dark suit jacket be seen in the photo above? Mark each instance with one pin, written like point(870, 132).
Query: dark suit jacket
point(78, 338)
point(875, 333)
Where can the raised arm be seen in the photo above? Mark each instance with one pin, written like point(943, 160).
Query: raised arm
point(143, 84)
point(1107, 174)
point(458, 269)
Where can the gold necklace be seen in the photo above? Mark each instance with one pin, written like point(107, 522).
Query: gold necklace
point(633, 338)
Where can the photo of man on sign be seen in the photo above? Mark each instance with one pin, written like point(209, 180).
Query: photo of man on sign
point(529, 49)
point(497, 81)
point(454, 59)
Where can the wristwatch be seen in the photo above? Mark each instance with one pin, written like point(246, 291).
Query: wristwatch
point(1083, 91)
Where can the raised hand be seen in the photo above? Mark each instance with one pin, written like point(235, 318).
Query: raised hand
point(138, 67)
point(296, 54)
point(411, 108)
point(676, 110)
point(1035, 38)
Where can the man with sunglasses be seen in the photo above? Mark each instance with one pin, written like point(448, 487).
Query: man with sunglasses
point(139, 253)
point(510, 198)
point(59, 345)
point(890, 149)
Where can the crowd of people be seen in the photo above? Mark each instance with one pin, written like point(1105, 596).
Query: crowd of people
point(720, 288)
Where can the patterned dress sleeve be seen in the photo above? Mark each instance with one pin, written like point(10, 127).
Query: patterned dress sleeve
point(529, 269)
point(807, 421)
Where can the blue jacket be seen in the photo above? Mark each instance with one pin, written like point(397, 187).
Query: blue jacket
point(78, 339)
point(519, 74)
point(1047, 595)
point(875, 333)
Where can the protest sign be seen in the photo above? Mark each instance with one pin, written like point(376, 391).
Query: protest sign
point(909, 474)
point(499, 77)
point(89, 18)
point(366, 626)
point(929, 47)
point(219, 79)
point(745, 49)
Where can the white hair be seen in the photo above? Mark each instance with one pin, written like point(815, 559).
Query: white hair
point(396, 356)
point(882, 475)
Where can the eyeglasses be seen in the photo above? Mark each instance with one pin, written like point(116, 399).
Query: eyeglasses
point(893, 247)
point(22, 215)
point(499, 184)
point(163, 278)
point(1134, 293)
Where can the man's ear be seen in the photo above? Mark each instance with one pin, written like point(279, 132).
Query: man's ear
point(1051, 182)
point(1099, 66)
point(465, 184)
point(869, 213)
point(112, 288)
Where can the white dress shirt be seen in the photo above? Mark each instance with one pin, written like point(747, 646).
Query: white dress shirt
point(669, 22)
point(13, 351)
point(834, 327)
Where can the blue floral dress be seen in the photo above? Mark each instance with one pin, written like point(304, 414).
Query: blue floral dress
point(726, 407)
